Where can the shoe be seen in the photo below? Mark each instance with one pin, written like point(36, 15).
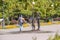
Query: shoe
point(38, 30)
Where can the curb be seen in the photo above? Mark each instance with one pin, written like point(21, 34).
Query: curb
point(14, 26)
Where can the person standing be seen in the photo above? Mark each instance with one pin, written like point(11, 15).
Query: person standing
point(20, 22)
point(38, 20)
point(33, 21)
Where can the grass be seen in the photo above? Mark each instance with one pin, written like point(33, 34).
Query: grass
point(57, 37)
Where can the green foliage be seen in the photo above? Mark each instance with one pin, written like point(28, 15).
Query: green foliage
point(47, 8)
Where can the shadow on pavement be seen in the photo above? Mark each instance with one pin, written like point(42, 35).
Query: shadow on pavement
point(19, 32)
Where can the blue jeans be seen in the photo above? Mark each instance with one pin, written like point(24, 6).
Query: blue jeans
point(20, 26)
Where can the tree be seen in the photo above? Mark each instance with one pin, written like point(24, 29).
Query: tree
point(47, 8)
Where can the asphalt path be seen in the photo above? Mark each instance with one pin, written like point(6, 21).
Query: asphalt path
point(26, 34)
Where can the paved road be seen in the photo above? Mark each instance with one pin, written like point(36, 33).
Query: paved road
point(44, 33)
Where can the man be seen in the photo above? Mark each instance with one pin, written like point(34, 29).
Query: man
point(33, 25)
point(20, 21)
point(38, 20)
point(37, 16)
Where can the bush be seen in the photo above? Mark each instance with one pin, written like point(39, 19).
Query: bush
point(13, 22)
